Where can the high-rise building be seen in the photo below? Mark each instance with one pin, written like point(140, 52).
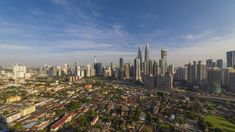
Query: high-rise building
point(161, 65)
point(195, 72)
point(78, 71)
point(231, 59)
point(107, 72)
point(226, 77)
point(139, 55)
point(209, 63)
point(164, 59)
point(150, 67)
point(220, 63)
point(98, 69)
point(127, 70)
point(75, 68)
point(201, 73)
point(156, 70)
point(181, 73)
point(146, 59)
point(168, 80)
point(66, 69)
point(88, 70)
point(171, 69)
point(137, 69)
point(190, 73)
point(214, 77)
point(19, 71)
point(121, 67)
point(232, 82)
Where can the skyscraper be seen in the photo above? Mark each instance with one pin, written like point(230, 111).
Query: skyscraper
point(161, 65)
point(201, 73)
point(150, 67)
point(164, 61)
point(190, 73)
point(121, 67)
point(214, 79)
point(209, 63)
point(66, 69)
point(231, 59)
point(19, 71)
point(146, 57)
point(195, 72)
point(156, 70)
point(127, 70)
point(219, 63)
point(137, 69)
point(139, 55)
point(171, 69)
point(98, 68)
point(88, 70)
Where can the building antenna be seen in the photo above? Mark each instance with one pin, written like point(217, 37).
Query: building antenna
point(95, 58)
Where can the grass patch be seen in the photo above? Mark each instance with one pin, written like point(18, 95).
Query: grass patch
point(165, 125)
point(220, 122)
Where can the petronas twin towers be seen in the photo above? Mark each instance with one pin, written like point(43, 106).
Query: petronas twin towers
point(147, 66)
point(144, 65)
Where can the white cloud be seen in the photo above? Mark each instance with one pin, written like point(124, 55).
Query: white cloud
point(214, 47)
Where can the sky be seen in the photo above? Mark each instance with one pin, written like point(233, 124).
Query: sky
point(36, 32)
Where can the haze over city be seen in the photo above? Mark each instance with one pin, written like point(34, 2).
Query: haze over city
point(59, 31)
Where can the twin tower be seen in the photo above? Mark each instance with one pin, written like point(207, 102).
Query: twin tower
point(149, 66)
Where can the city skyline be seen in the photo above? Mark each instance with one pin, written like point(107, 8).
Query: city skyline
point(57, 32)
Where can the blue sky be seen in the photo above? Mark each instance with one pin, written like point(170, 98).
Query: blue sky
point(35, 32)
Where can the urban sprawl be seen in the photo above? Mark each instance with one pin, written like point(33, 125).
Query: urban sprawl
point(145, 95)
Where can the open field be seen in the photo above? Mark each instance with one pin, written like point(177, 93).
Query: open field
point(220, 122)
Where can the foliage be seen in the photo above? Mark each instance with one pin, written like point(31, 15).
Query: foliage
point(73, 106)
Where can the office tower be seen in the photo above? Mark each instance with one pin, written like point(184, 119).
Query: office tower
point(164, 61)
point(19, 71)
point(232, 82)
point(66, 69)
point(209, 63)
point(150, 67)
point(75, 68)
point(132, 70)
point(139, 55)
point(195, 72)
point(168, 80)
point(190, 73)
point(161, 65)
point(88, 70)
point(181, 73)
point(171, 69)
point(121, 67)
point(156, 70)
point(51, 72)
point(214, 77)
point(201, 73)
point(137, 69)
point(226, 77)
point(146, 57)
point(92, 72)
point(79, 71)
point(107, 72)
point(111, 65)
point(127, 70)
point(231, 59)
point(219, 63)
point(98, 69)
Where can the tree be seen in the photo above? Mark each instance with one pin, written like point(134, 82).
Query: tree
point(73, 106)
